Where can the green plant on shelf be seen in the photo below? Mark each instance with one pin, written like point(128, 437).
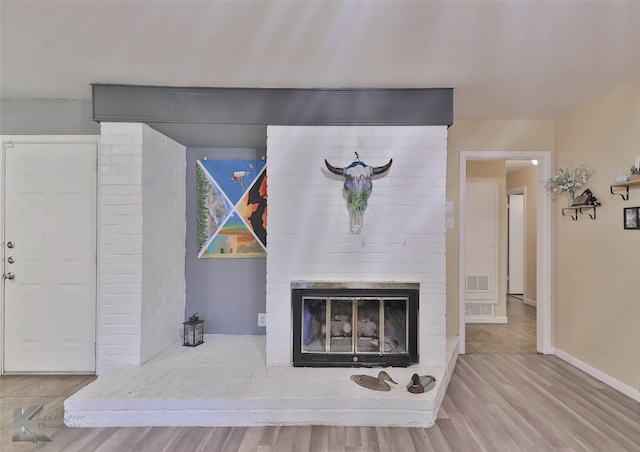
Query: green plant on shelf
point(568, 181)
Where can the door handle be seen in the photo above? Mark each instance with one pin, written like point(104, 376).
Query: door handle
point(9, 275)
point(11, 259)
point(10, 244)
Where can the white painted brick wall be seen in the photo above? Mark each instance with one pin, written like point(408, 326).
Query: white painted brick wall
point(163, 247)
point(125, 215)
point(119, 246)
point(403, 237)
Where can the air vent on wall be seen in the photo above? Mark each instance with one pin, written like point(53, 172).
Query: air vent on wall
point(479, 310)
point(477, 284)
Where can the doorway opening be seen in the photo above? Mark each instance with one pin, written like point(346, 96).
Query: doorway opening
point(542, 283)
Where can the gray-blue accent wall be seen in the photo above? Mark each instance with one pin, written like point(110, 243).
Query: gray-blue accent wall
point(227, 293)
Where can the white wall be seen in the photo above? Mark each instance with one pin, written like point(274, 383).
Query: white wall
point(131, 204)
point(403, 237)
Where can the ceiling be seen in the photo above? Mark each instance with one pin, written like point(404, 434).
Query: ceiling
point(505, 60)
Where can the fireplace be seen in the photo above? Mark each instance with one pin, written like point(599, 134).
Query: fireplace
point(404, 232)
point(354, 324)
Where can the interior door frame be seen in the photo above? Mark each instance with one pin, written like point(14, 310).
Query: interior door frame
point(543, 232)
point(8, 140)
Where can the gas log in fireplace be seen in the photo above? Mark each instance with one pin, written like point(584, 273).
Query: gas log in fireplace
point(354, 324)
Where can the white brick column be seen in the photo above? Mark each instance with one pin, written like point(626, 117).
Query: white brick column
point(129, 252)
point(164, 232)
point(403, 237)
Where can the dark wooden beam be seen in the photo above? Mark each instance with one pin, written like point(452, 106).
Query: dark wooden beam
point(272, 106)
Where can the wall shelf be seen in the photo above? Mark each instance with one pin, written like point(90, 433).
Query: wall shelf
point(625, 185)
point(573, 212)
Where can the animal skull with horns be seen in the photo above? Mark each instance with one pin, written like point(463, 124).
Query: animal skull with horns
point(357, 187)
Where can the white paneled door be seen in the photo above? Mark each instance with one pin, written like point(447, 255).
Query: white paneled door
point(50, 257)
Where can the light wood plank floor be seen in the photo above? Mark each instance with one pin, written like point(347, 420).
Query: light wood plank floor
point(495, 402)
point(517, 336)
point(514, 400)
point(24, 391)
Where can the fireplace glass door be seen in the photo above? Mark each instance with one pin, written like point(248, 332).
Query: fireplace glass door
point(348, 326)
point(355, 325)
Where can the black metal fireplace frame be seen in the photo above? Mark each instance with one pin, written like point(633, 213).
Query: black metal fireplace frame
point(354, 289)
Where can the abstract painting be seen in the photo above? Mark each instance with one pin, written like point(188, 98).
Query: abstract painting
point(232, 208)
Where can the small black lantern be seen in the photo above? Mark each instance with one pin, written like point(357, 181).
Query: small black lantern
point(193, 331)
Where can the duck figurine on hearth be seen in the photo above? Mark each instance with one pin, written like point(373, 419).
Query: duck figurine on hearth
point(378, 383)
point(421, 383)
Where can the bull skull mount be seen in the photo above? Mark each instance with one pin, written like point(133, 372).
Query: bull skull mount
point(357, 188)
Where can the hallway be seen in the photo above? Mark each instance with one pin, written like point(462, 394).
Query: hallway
point(517, 336)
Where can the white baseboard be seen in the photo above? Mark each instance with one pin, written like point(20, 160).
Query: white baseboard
point(530, 302)
point(599, 375)
point(484, 319)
